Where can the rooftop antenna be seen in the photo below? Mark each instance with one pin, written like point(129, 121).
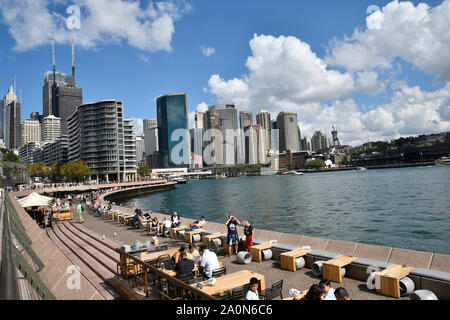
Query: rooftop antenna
point(73, 60)
point(54, 77)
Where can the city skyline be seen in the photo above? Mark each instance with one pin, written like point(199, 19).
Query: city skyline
point(371, 95)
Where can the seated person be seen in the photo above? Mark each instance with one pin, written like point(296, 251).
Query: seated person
point(328, 291)
point(252, 293)
point(193, 253)
point(167, 225)
point(341, 294)
point(175, 220)
point(209, 262)
point(185, 266)
point(176, 257)
point(314, 293)
point(155, 224)
point(197, 224)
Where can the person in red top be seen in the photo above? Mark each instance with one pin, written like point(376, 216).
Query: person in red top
point(248, 232)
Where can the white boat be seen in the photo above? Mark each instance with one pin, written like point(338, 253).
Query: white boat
point(443, 162)
point(361, 168)
point(179, 180)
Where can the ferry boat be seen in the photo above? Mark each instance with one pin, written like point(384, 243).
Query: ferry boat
point(291, 173)
point(443, 162)
point(179, 180)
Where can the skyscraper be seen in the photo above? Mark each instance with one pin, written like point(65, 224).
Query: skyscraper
point(227, 150)
point(306, 144)
point(172, 114)
point(200, 120)
point(140, 148)
point(320, 141)
point(11, 119)
point(50, 128)
point(263, 119)
point(61, 95)
point(30, 131)
point(255, 147)
point(149, 124)
point(288, 130)
point(245, 119)
point(151, 141)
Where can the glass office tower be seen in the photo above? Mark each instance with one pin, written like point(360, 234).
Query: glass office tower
point(172, 112)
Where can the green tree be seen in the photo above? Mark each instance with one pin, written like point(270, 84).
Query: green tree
point(317, 163)
point(144, 171)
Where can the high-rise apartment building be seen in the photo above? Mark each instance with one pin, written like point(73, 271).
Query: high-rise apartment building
point(245, 119)
point(263, 119)
point(149, 124)
point(31, 131)
point(173, 130)
point(56, 151)
point(255, 145)
point(26, 151)
point(151, 141)
point(140, 148)
point(50, 128)
point(288, 131)
point(320, 141)
point(101, 138)
point(306, 144)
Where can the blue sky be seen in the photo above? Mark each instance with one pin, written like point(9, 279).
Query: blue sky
point(112, 66)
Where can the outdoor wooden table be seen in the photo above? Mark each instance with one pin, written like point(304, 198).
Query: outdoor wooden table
point(233, 280)
point(64, 215)
point(125, 218)
point(173, 231)
point(301, 295)
point(188, 235)
point(331, 269)
point(255, 251)
point(210, 237)
point(174, 273)
point(388, 280)
point(288, 258)
point(149, 256)
point(119, 216)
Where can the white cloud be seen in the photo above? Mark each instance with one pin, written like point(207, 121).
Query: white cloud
point(144, 58)
point(208, 51)
point(417, 34)
point(285, 74)
point(138, 126)
point(150, 28)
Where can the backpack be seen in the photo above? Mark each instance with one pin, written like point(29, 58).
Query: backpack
point(169, 265)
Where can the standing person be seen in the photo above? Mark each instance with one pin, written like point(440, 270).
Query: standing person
point(328, 291)
point(248, 232)
point(232, 235)
point(80, 212)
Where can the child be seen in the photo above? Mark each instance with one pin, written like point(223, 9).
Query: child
point(252, 293)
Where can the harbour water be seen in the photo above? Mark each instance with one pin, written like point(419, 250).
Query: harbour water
point(404, 208)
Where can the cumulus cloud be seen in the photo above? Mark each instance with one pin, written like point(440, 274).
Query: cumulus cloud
point(144, 58)
point(417, 34)
point(150, 28)
point(284, 71)
point(208, 51)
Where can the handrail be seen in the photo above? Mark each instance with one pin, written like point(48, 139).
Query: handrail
point(9, 288)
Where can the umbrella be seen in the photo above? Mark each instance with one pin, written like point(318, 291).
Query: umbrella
point(35, 200)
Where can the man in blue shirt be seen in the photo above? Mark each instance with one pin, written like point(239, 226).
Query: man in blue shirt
point(232, 235)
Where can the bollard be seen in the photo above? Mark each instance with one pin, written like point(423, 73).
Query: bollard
point(266, 254)
point(406, 286)
point(244, 257)
point(371, 281)
point(299, 263)
point(217, 242)
point(317, 268)
point(423, 295)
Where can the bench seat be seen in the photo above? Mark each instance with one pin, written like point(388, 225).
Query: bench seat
point(286, 247)
point(324, 254)
point(372, 263)
point(431, 274)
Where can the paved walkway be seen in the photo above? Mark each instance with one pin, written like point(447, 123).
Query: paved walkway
point(300, 280)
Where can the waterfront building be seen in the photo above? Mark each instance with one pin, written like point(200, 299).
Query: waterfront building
point(292, 160)
point(11, 107)
point(103, 140)
point(245, 119)
point(56, 151)
point(51, 128)
point(320, 141)
point(149, 124)
point(151, 141)
point(31, 131)
point(172, 111)
point(27, 150)
point(287, 125)
point(196, 147)
point(152, 160)
point(306, 144)
point(255, 145)
point(140, 148)
point(263, 119)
